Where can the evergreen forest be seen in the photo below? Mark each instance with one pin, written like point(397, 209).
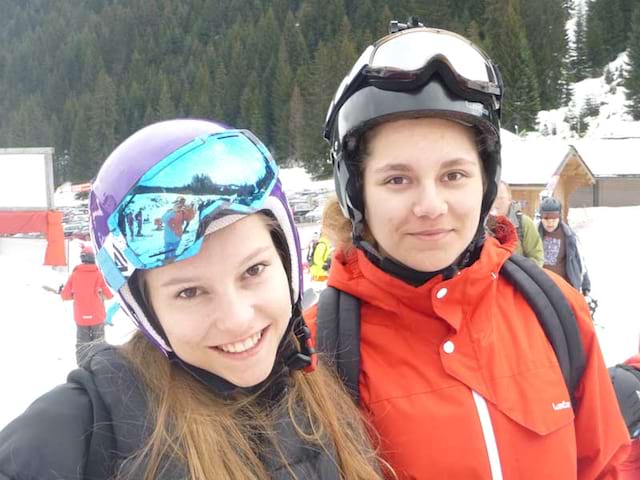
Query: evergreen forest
point(82, 75)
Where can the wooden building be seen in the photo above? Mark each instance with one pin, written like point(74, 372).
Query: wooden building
point(615, 164)
point(542, 167)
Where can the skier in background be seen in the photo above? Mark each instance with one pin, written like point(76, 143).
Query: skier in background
point(87, 288)
point(321, 259)
point(561, 247)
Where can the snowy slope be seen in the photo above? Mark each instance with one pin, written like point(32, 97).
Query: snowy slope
point(612, 119)
point(37, 333)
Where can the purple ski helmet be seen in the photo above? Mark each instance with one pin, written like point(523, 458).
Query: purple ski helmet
point(127, 175)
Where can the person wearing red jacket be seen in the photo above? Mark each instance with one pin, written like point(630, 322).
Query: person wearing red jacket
point(87, 288)
point(457, 375)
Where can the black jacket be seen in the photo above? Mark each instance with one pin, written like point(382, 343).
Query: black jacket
point(88, 427)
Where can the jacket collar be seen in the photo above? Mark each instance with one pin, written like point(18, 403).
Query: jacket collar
point(354, 273)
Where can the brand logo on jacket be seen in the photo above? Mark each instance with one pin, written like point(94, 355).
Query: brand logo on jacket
point(561, 405)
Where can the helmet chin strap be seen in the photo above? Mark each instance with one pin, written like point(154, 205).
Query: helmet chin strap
point(416, 277)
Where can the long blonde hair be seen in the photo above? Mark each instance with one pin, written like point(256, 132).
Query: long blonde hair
point(212, 437)
point(215, 437)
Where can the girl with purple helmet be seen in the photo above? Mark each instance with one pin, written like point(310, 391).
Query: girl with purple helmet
point(220, 381)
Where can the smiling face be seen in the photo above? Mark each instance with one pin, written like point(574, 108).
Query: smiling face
point(225, 309)
point(422, 191)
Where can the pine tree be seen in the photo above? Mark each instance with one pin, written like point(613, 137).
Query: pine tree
point(595, 46)
point(296, 125)
point(252, 108)
point(504, 31)
point(166, 109)
point(580, 60)
point(102, 122)
point(80, 163)
point(199, 94)
point(544, 22)
point(632, 78)
point(280, 97)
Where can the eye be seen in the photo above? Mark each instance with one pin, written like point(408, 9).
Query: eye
point(396, 180)
point(255, 270)
point(454, 176)
point(188, 293)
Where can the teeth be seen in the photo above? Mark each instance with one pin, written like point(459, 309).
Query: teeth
point(240, 347)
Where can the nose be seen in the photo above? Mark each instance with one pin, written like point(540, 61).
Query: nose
point(429, 201)
point(232, 313)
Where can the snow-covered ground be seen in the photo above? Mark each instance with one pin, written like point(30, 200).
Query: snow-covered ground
point(37, 333)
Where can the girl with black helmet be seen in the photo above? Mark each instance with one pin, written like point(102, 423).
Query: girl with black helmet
point(220, 381)
point(456, 373)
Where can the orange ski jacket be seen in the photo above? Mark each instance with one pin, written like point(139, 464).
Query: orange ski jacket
point(460, 381)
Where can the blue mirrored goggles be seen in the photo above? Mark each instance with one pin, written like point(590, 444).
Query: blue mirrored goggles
point(164, 216)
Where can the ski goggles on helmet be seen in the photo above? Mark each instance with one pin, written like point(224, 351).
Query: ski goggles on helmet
point(164, 216)
point(406, 60)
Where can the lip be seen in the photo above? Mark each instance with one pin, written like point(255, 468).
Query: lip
point(247, 353)
point(432, 234)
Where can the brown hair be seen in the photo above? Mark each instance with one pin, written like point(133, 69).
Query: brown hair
point(218, 438)
point(338, 228)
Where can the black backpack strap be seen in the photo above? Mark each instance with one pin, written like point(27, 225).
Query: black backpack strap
point(338, 335)
point(554, 314)
point(519, 229)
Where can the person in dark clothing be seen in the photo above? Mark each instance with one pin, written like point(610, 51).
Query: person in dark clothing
point(221, 380)
point(138, 218)
point(87, 289)
point(129, 217)
point(561, 247)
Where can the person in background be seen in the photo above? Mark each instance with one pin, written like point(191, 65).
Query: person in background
point(561, 247)
point(311, 247)
point(529, 241)
point(129, 219)
point(626, 383)
point(138, 218)
point(456, 373)
point(174, 221)
point(87, 288)
point(321, 259)
point(220, 381)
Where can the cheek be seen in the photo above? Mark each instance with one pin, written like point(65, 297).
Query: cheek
point(175, 316)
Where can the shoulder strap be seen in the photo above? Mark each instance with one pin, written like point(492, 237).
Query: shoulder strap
point(554, 314)
point(519, 228)
point(338, 324)
point(338, 335)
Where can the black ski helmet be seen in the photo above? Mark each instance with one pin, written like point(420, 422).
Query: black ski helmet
point(87, 255)
point(413, 72)
point(550, 205)
point(626, 383)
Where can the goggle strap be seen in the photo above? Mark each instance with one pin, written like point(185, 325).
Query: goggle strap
point(110, 270)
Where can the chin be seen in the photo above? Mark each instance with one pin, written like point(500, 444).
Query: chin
point(420, 264)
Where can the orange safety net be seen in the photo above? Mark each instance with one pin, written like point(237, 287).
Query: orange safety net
point(48, 222)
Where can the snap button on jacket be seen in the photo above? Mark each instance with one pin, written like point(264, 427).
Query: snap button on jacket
point(424, 353)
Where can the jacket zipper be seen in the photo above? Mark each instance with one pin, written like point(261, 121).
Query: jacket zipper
point(489, 436)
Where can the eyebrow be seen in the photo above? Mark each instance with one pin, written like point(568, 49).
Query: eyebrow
point(189, 279)
point(403, 167)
